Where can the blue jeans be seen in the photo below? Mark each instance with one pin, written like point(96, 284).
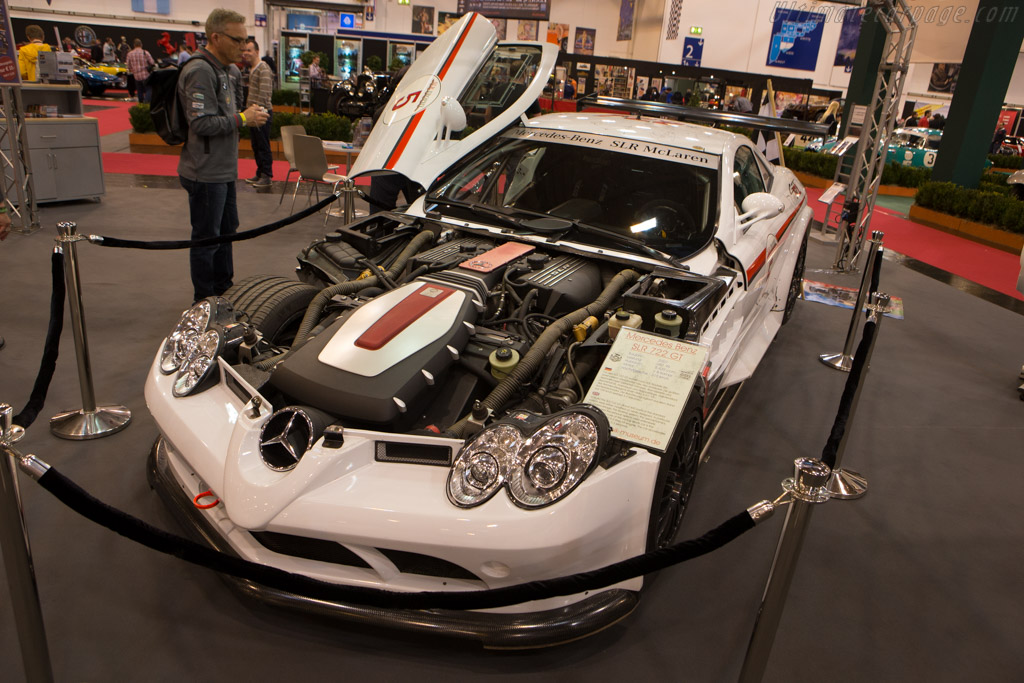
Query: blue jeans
point(260, 139)
point(142, 87)
point(213, 211)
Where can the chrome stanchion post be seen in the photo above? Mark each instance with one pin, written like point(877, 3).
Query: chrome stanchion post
point(350, 200)
point(844, 361)
point(847, 484)
point(807, 488)
point(21, 578)
point(91, 421)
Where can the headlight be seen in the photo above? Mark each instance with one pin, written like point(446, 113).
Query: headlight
point(538, 459)
point(179, 343)
point(554, 460)
point(192, 348)
point(196, 366)
point(482, 465)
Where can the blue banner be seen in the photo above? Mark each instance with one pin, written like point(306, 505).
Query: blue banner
point(796, 38)
point(152, 6)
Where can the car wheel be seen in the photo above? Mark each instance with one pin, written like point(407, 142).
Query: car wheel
point(334, 102)
point(796, 283)
point(673, 495)
point(275, 305)
point(82, 87)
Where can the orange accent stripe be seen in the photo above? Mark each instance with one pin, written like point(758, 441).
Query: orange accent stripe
point(396, 153)
point(458, 44)
point(762, 258)
point(403, 141)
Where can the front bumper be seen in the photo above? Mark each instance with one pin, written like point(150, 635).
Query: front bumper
point(491, 629)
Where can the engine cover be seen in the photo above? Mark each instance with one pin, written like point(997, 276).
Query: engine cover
point(381, 360)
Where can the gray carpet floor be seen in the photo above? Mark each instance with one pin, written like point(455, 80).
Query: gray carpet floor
point(920, 580)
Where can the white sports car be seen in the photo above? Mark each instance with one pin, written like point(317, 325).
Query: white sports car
point(510, 380)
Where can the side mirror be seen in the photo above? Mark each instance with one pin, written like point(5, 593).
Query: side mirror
point(758, 206)
point(453, 117)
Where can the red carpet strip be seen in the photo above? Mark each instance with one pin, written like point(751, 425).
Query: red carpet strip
point(113, 119)
point(986, 266)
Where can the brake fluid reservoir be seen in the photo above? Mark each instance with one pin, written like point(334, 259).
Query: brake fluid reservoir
point(503, 361)
point(668, 323)
point(623, 319)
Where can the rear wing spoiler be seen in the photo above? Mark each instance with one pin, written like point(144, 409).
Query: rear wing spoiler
point(733, 118)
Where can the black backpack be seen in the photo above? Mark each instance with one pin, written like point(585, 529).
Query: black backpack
point(165, 109)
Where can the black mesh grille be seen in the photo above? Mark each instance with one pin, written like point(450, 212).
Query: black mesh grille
point(309, 548)
point(424, 565)
point(335, 553)
point(414, 453)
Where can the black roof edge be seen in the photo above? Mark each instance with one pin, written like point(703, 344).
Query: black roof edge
point(683, 113)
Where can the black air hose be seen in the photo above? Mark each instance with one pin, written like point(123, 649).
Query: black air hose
point(534, 358)
point(319, 303)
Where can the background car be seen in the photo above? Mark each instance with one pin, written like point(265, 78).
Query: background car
point(1012, 145)
point(118, 70)
point(512, 379)
point(93, 82)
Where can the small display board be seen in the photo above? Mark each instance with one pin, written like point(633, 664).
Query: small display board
point(10, 72)
point(643, 385)
point(829, 195)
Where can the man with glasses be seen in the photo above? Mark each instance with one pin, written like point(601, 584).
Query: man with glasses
point(208, 167)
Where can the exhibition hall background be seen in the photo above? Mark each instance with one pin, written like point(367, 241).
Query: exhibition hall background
point(736, 34)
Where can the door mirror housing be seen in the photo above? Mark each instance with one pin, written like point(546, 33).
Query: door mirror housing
point(758, 206)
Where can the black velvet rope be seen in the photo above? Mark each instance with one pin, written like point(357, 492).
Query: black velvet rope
point(221, 239)
point(370, 200)
point(135, 529)
point(51, 347)
point(829, 453)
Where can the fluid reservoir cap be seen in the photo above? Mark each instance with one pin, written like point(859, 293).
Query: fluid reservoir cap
point(536, 261)
point(622, 315)
point(503, 353)
point(669, 314)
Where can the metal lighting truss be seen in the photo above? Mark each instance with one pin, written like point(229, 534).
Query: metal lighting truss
point(865, 175)
point(16, 188)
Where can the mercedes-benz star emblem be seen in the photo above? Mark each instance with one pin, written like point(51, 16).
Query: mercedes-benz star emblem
point(285, 438)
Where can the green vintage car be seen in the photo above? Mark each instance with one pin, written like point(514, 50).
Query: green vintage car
point(915, 147)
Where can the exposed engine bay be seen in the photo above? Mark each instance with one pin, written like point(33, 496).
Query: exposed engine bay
point(422, 327)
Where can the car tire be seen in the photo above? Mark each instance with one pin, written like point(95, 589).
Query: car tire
point(275, 305)
point(675, 483)
point(334, 103)
point(796, 282)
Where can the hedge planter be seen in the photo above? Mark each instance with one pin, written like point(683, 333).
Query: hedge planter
point(977, 232)
point(821, 183)
point(150, 143)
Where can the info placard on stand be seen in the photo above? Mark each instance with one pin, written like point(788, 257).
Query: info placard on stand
point(643, 385)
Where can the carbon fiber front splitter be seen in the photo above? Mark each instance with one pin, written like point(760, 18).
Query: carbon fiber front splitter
point(491, 630)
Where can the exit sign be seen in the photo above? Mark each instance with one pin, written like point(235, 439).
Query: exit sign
point(696, 30)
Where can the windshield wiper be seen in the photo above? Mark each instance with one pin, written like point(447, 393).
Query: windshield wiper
point(554, 227)
point(479, 209)
point(613, 236)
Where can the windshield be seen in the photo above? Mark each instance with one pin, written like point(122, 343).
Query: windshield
point(907, 139)
point(668, 205)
